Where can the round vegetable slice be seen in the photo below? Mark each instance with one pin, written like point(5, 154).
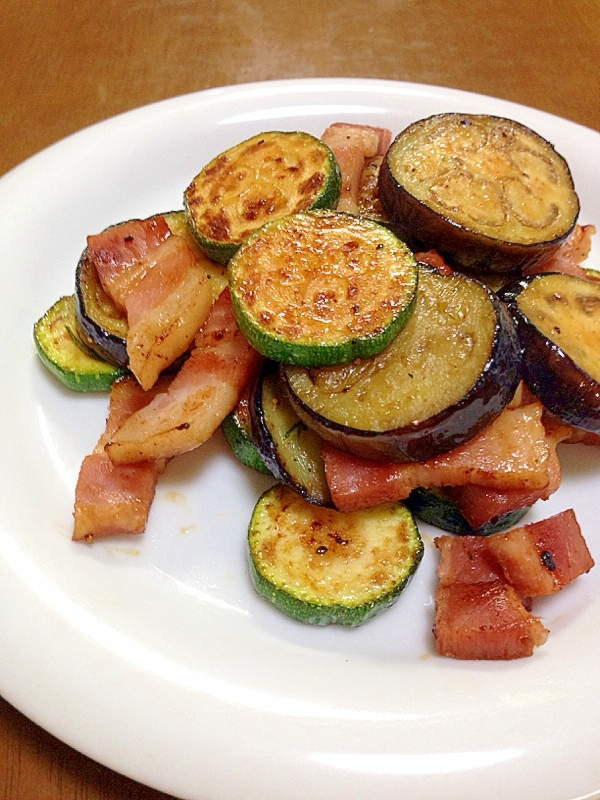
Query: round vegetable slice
point(263, 178)
point(488, 193)
point(322, 287)
point(558, 323)
point(436, 507)
point(291, 450)
point(321, 566)
point(237, 428)
point(59, 346)
point(446, 376)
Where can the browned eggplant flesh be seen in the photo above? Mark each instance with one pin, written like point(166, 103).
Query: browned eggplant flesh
point(291, 450)
point(446, 376)
point(488, 193)
point(558, 324)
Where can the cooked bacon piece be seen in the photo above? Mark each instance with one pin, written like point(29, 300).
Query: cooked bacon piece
point(571, 254)
point(466, 559)
point(165, 309)
point(480, 505)
point(110, 498)
point(484, 621)
point(118, 253)
point(356, 148)
point(203, 392)
point(512, 453)
point(434, 259)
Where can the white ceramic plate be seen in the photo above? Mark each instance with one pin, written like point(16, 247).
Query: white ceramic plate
point(153, 655)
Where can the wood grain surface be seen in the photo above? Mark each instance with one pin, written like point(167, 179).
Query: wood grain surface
point(66, 65)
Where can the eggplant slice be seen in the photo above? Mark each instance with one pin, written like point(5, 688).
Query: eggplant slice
point(558, 324)
point(488, 193)
point(290, 449)
point(448, 374)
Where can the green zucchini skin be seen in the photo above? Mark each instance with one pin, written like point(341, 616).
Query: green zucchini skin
point(237, 429)
point(275, 159)
point(436, 508)
point(320, 288)
point(56, 337)
point(291, 451)
point(430, 436)
point(299, 551)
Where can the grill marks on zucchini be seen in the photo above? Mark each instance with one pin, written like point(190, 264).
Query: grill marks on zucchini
point(58, 342)
point(450, 371)
point(322, 287)
point(321, 566)
point(263, 178)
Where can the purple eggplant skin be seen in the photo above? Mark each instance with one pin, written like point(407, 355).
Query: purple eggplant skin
point(317, 492)
point(423, 228)
point(563, 387)
point(447, 430)
point(108, 345)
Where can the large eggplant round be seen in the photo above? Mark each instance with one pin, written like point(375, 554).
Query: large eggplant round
point(448, 374)
point(558, 324)
point(488, 193)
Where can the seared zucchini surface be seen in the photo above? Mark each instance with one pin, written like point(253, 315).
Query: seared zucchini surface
point(321, 566)
point(291, 450)
point(322, 287)
point(263, 178)
point(58, 342)
point(558, 323)
point(487, 192)
point(449, 372)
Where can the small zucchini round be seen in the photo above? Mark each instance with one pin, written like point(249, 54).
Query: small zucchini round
point(558, 324)
point(291, 450)
point(56, 337)
point(321, 566)
point(436, 507)
point(488, 193)
point(447, 375)
point(263, 178)
point(237, 428)
point(322, 287)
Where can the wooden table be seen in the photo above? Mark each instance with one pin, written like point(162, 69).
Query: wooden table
point(66, 65)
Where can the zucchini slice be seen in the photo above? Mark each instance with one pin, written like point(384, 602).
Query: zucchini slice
point(237, 428)
point(446, 376)
point(321, 566)
point(558, 323)
point(290, 449)
point(488, 193)
point(58, 342)
point(263, 178)
point(437, 508)
point(322, 287)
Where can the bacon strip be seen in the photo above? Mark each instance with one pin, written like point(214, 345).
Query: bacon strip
point(110, 498)
point(204, 391)
point(512, 453)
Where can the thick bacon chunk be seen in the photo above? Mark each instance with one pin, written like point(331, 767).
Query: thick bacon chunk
point(203, 392)
point(110, 498)
point(512, 453)
point(485, 621)
point(571, 254)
